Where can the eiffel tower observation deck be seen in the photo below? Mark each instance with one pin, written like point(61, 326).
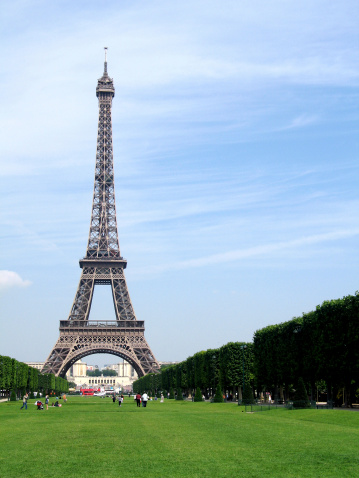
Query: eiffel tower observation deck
point(102, 264)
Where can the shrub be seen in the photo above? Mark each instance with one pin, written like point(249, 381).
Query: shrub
point(218, 398)
point(301, 399)
point(13, 396)
point(247, 395)
point(172, 395)
point(198, 395)
point(179, 394)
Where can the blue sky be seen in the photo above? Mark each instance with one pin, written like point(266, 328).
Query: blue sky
point(235, 130)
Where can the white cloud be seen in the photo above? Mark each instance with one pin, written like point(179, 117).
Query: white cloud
point(12, 279)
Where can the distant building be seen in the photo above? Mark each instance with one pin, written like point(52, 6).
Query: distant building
point(124, 379)
point(37, 365)
point(126, 375)
point(78, 369)
point(166, 364)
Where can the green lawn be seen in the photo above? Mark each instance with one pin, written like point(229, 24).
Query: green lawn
point(90, 436)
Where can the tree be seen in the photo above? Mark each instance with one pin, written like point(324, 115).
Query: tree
point(301, 399)
point(179, 394)
point(198, 395)
point(93, 373)
point(247, 397)
point(109, 373)
point(218, 398)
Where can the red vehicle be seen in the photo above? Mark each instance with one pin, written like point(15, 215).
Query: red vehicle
point(87, 391)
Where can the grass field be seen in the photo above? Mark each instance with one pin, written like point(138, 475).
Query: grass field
point(90, 436)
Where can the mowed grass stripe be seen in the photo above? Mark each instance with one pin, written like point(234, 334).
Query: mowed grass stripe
point(90, 434)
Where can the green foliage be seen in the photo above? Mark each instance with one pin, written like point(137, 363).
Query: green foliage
point(172, 394)
point(104, 373)
point(218, 398)
point(19, 377)
point(247, 396)
point(93, 373)
point(13, 396)
point(109, 373)
point(301, 399)
point(198, 395)
point(322, 345)
point(179, 395)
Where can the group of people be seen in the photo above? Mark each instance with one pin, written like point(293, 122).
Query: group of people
point(40, 404)
point(141, 399)
point(144, 399)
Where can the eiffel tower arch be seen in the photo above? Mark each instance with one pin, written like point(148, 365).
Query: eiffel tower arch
point(102, 264)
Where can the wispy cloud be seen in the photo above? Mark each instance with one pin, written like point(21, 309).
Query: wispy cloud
point(263, 250)
point(301, 121)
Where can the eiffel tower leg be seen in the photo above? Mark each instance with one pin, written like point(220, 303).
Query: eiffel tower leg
point(124, 311)
point(121, 297)
point(79, 311)
point(81, 306)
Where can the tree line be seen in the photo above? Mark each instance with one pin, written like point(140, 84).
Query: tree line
point(101, 373)
point(18, 377)
point(321, 348)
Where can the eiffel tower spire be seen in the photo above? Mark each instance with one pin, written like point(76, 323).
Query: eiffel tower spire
point(102, 264)
point(103, 238)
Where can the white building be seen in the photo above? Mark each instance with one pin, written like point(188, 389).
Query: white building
point(37, 365)
point(126, 375)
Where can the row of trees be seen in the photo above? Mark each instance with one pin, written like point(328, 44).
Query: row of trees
point(19, 377)
point(321, 347)
point(104, 373)
point(229, 367)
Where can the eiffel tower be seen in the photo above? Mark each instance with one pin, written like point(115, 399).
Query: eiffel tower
point(103, 264)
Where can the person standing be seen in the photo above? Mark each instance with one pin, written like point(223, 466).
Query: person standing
point(138, 399)
point(24, 401)
point(162, 398)
point(144, 399)
point(47, 402)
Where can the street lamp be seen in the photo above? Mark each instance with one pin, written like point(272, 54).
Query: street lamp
point(242, 347)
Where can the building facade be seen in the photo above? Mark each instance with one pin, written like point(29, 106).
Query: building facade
point(125, 375)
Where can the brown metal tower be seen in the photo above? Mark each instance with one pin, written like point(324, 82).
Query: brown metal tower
point(102, 264)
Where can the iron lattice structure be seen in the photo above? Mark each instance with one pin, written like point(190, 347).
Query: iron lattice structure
point(103, 264)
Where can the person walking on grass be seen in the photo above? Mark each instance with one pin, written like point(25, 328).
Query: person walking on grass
point(138, 399)
point(144, 399)
point(47, 402)
point(24, 401)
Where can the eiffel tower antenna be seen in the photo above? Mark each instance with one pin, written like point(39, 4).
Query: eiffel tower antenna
point(102, 264)
point(105, 66)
